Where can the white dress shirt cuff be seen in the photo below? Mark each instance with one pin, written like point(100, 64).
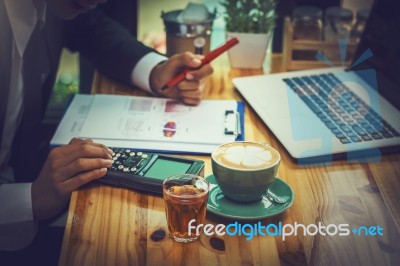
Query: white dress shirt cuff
point(141, 72)
point(17, 226)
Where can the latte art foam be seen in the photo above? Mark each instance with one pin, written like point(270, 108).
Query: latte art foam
point(246, 155)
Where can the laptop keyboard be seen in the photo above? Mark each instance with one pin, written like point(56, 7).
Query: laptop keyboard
point(346, 115)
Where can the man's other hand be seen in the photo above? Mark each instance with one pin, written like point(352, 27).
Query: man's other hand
point(191, 89)
point(65, 170)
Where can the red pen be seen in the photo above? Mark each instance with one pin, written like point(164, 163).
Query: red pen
point(207, 59)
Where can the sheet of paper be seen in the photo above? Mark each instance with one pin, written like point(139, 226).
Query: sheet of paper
point(73, 120)
point(114, 117)
point(76, 116)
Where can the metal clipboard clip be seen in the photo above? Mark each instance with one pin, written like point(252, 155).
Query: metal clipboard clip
point(232, 123)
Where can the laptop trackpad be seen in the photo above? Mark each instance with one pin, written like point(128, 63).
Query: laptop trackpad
point(280, 103)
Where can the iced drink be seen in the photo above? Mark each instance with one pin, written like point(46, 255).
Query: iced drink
point(185, 199)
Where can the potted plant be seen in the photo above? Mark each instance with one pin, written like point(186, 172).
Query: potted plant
point(252, 22)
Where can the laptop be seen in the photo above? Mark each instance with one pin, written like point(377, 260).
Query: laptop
point(351, 112)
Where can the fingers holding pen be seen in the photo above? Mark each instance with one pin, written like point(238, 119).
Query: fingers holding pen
point(198, 74)
point(191, 92)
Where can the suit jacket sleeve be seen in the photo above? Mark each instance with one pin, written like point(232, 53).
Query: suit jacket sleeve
point(104, 42)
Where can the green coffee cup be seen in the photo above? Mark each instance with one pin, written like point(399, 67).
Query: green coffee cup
point(244, 170)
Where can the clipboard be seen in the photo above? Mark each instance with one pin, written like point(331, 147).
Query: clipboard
point(234, 122)
point(78, 116)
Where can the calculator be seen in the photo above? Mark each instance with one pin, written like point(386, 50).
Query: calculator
point(146, 171)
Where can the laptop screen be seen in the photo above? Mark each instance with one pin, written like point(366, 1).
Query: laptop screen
point(382, 36)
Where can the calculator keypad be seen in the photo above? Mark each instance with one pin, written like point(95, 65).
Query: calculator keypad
point(128, 161)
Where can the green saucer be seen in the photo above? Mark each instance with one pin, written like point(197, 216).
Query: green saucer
point(221, 206)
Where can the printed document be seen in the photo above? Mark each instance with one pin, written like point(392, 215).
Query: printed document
point(146, 123)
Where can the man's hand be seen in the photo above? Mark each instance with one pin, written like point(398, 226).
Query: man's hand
point(191, 89)
point(66, 169)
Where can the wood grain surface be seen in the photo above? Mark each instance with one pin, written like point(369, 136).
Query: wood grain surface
point(114, 226)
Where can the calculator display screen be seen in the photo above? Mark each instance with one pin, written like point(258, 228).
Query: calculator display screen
point(163, 168)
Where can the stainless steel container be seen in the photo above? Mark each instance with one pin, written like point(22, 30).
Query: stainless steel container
point(182, 37)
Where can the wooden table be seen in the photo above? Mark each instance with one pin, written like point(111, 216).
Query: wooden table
point(112, 226)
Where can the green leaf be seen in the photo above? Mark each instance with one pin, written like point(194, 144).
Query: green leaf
point(252, 16)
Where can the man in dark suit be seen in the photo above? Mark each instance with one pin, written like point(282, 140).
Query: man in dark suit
point(32, 35)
